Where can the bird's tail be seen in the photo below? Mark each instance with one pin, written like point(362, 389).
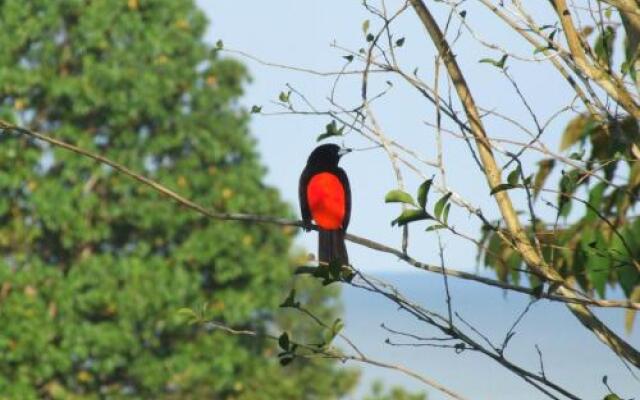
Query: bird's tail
point(331, 247)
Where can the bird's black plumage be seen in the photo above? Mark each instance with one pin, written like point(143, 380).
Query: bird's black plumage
point(325, 158)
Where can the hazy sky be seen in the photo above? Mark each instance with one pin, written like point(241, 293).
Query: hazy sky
point(300, 33)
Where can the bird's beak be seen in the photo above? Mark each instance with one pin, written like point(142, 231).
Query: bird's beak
point(344, 151)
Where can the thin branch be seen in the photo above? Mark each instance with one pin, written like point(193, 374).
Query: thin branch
point(492, 172)
point(339, 356)
point(8, 127)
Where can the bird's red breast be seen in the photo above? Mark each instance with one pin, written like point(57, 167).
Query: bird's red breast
point(325, 195)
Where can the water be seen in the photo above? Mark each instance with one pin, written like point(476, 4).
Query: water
point(572, 356)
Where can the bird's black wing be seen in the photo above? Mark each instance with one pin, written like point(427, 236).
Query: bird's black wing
point(302, 196)
point(347, 197)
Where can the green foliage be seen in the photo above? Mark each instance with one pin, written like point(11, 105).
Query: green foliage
point(331, 131)
point(97, 273)
point(394, 393)
point(398, 196)
point(496, 63)
point(604, 47)
point(601, 245)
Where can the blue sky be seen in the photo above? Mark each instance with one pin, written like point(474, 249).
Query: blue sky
point(300, 33)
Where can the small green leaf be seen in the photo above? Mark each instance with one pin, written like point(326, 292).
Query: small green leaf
point(283, 341)
point(284, 97)
point(332, 332)
point(604, 45)
point(445, 214)
point(400, 42)
point(323, 137)
point(365, 26)
point(348, 58)
point(186, 312)
point(337, 326)
point(502, 187)
point(189, 315)
point(423, 192)
point(498, 63)
point(545, 168)
point(435, 227)
point(219, 45)
point(411, 215)
point(370, 37)
point(256, 109)
point(514, 176)
point(595, 200)
point(399, 196)
point(331, 129)
point(439, 207)
point(612, 396)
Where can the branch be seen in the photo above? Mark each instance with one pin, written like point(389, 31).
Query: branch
point(6, 126)
point(606, 79)
point(492, 172)
point(340, 356)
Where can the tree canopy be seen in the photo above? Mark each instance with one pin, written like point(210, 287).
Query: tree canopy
point(94, 267)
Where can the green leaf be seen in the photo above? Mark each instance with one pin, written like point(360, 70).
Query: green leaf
point(435, 227)
point(400, 42)
point(370, 37)
point(411, 215)
point(256, 109)
point(497, 63)
point(597, 263)
point(283, 341)
point(612, 396)
point(284, 97)
point(569, 182)
point(333, 331)
point(577, 129)
point(423, 192)
point(337, 326)
point(219, 45)
point(365, 26)
point(189, 315)
point(445, 214)
point(604, 45)
point(514, 176)
point(595, 201)
point(399, 196)
point(502, 187)
point(331, 130)
point(348, 57)
point(439, 207)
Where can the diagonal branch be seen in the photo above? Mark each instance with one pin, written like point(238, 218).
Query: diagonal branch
point(492, 172)
point(287, 222)
point(314, 352)
point(606, 79)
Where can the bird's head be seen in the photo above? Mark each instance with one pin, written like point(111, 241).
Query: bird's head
point(327, 155)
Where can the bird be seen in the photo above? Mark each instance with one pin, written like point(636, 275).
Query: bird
point(325, 198)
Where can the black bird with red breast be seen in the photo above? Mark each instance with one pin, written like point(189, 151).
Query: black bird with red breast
point(325, 198)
